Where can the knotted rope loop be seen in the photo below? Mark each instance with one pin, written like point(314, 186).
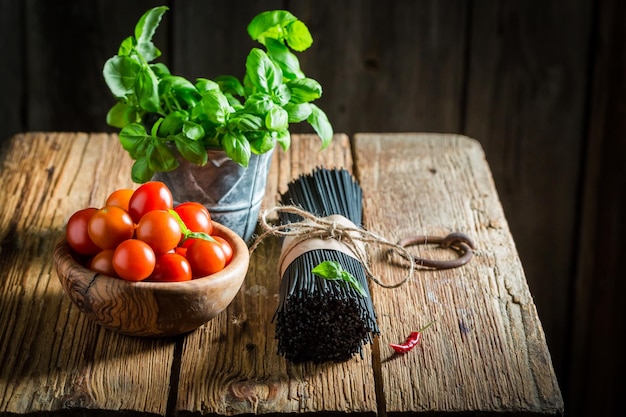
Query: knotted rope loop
point(326, 228)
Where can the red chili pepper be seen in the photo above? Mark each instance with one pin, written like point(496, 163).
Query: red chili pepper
point(411, 341)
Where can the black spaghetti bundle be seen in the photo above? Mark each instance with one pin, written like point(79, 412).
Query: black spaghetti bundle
point(320, 320)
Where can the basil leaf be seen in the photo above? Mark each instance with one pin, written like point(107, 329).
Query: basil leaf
point(147, 90)
point(233, 101)
point(155, 127)
point(148, 51)
point(328, 270)
point(298, 36)
point(161, 158)
point(352, 281)
point(148, 23)
point(333, 271)
point(262, 72)
point(284, 139)
point(175, 83)
point(192, 150)
point(298, 112)
point(259, 104)
point(179, 87)
point(141, 172)
point(286, 60)
point(277, 119)
point(216, 106)
point(230, 84)
point(173, 123)
point(204, 84)
point(160, 69)
point(269, 23)
point(304, 90)
point(122, 114)
point(262, 141)
point(134, 140)
point(193, 130)
point(120, 73)
point(246, 122)
point(282, 95)
point(321, 125)
point(237, 148)
point(127, 46)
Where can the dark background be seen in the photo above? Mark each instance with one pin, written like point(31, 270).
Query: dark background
point(541, 84)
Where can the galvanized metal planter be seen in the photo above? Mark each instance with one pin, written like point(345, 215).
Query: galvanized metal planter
point(232, 194)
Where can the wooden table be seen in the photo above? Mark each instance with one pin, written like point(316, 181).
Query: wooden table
point(486, 351)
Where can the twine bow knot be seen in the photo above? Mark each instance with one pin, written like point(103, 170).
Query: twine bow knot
point(334, 232)
point(329, 228)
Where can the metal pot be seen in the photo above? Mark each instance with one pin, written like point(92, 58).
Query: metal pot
point(232, 194)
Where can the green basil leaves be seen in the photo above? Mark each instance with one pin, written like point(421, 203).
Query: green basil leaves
point(160, 113)
point(333, 271)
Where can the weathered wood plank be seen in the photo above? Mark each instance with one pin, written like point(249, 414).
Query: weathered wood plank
point(231, 365)
point(51, 357)
point(211, 38)
point(68, 45)
point(486, 350)
point(525, 103)
point(387, 67)
point(11, 81)
point(596, 371)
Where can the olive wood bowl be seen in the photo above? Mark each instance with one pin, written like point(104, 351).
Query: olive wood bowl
point(152, 309)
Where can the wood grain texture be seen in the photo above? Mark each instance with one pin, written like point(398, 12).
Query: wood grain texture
point(68, 46)
point(526, 103)
point(211, 37)
point(52, 357)
point(387, 69)
point(520, 76)
point(11, 80)
point(598, 315)
point(231, 365)
point(486, 350)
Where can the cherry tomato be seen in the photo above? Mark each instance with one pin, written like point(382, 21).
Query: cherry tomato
point(187, 242)
point(120, 198)
point(77, 234)
point(153, 195)
point(160, 230)
point(228, 250)
point(171, 267)
point(109, 226)
point(195, 216)
point(134, 260)
point(103, 263)
point(205, 257)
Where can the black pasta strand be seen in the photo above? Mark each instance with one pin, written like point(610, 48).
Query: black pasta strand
point(319, 320)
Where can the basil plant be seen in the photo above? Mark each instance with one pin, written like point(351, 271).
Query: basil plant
point(159, 112)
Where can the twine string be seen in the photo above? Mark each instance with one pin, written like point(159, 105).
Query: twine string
point(318, 227)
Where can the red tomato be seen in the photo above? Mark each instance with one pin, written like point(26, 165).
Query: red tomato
point(109, 226)
point(228, 250)
point(120, 198)
point(153, 195)
point(160, 230)
point(171, 267)
point(77, 234)
point(205, 257)
point(134, 260)
point(196, 217)
point(103, 263)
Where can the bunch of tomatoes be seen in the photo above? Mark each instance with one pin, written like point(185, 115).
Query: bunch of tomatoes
point(140, 235)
